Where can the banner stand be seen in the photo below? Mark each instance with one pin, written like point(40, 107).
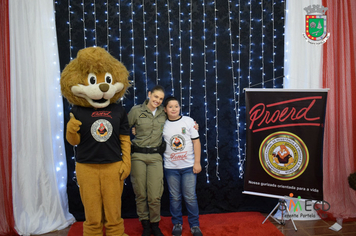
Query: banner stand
point(282, 205)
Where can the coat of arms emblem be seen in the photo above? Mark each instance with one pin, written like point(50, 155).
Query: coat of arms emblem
point(316, 24)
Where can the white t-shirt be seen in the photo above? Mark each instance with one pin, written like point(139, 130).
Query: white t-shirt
point(178, 135)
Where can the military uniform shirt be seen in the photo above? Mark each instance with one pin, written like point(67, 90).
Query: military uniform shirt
point(148, 127)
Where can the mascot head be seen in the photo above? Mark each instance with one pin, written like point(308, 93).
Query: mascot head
point(94, 79)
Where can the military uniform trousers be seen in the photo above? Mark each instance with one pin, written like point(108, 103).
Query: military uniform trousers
point(147, 183)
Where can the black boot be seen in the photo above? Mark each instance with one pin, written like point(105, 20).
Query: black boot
point(146, 228)
point(155, 229)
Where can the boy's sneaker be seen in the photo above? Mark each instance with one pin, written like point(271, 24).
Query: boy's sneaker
point(196, 231)
point(177, 230)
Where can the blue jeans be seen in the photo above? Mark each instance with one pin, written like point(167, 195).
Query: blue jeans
point(182, 182)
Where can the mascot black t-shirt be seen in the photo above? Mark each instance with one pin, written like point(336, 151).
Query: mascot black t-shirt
point(101, 127)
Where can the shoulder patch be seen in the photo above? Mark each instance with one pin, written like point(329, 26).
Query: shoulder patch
point(143, 115)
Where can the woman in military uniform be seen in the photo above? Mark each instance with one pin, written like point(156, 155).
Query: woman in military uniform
point(146, 160)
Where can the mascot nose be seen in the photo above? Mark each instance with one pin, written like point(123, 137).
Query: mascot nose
point(104, 87)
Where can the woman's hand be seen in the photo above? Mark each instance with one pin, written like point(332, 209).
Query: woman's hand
point(133, 131)
point(196, 126)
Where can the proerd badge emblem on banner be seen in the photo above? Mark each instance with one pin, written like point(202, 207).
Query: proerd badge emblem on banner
point(283, 155)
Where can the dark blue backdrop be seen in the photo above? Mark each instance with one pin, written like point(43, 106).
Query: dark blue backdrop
point(203, 52)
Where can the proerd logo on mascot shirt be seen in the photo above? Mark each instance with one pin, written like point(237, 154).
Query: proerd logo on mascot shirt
point(101, 130)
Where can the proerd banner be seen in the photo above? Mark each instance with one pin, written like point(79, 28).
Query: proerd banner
point(285, 142)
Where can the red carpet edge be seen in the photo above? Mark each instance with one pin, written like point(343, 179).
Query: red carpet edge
point(224, 224)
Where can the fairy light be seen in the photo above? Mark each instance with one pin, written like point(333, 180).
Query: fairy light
point(71, 57)
point(180, 54)
point(280, 74)
point(74, 179)
point(286, 43)
point(216, 92)
point(133, 50)
point(231, 51)
point(233, 76)
point(107, 26)
point(84, 27)
point(118, 13)
point(170, 43)
point(95, 21)
point(239, 50)
point(241, 159)
point(120, 26)
point(273, 53)
point(70, 30)
point(262, 46)
point(144, 44)
point(156, 42)
point(58, 149)
point(276, 74)
point(190, 55)
point(250, 46)
point(205, 98)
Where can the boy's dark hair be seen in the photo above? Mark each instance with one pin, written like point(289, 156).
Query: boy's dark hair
point(168, 99)
point(158, 88)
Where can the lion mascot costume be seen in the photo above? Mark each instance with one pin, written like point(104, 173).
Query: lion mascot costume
point(94, 82)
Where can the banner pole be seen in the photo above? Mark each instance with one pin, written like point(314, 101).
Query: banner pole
point(282, 204)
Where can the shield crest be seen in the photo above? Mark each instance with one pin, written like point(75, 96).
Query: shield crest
point(315, 27)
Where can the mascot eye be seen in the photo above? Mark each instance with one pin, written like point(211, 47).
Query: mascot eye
point(108, 78)
point(92, 78)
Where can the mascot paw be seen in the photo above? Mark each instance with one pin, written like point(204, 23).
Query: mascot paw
point(73, 125)
point(124, 171)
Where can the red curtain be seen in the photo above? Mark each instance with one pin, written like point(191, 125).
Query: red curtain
point(339, 64)
point(7, 222)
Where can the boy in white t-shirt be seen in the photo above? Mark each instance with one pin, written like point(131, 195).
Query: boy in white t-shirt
point(181, 166)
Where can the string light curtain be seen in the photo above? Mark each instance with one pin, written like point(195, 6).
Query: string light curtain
point(203, 52)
